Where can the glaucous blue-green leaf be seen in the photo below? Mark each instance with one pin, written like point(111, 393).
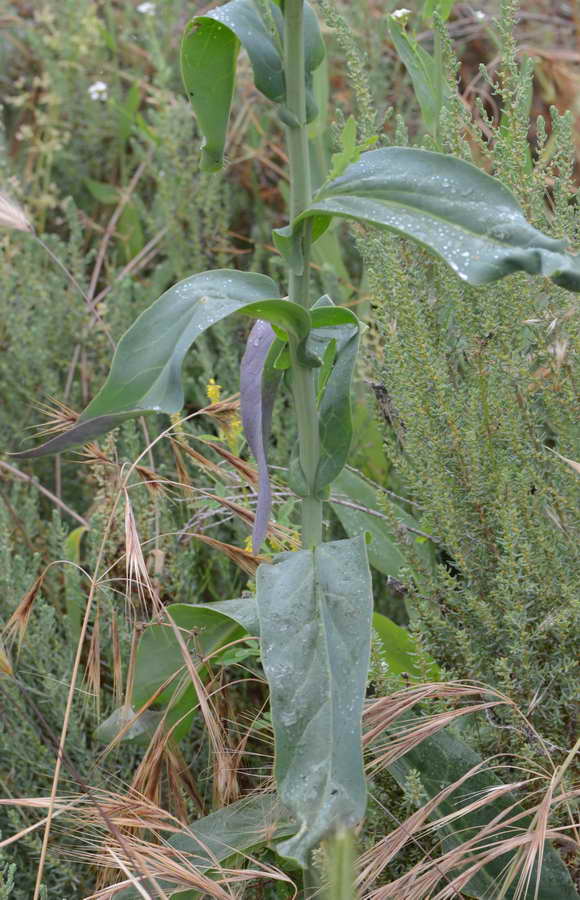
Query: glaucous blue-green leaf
point(363, 516)
point(340, 327)
point(209, 51)
point(335, 417)
point(315, 611)
point(145, 373)
point(469, 219)
point(159, 655)
point(259, 382)
point(247, 823)
point(442, 759)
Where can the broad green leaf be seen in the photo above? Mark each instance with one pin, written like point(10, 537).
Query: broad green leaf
point(443, 759)
point(450, 207)
point(247, 823)
point(159, 655)
point(145, 373)
point(364, 516)
point(315, 620)
point(209, 51)
point(399, 648)
point(428, 78)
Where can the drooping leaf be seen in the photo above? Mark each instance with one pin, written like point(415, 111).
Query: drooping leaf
point(315, 616)
point(209, 51)
point(442, 760)
point(258, 387)
point(360, 513)
point(145, 373)
point(450, 207)
point(159, 655)
point(399, 648)
point(428, 78)
point(247, 823)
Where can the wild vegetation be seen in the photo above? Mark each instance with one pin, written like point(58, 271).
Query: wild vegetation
point(135, 694)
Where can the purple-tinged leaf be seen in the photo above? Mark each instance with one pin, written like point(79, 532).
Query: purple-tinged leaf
point(258, 386)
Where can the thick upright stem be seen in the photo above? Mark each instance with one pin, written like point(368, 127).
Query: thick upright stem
point(303, 379)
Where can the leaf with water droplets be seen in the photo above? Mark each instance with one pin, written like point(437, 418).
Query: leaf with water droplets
point(315, 622)
point(467, 218)
point(145, 373)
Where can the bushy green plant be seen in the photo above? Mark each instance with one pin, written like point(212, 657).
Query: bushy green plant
point(446, 374)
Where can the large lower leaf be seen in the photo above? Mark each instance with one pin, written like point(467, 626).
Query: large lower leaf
point(315, 619)
point(451, 207)
point(145, 373)
point(209, 51)
point(248, 823)
point(443, 759)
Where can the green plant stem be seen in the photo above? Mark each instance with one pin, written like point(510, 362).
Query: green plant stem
point(303, 379)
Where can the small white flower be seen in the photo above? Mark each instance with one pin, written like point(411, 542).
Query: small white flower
point(146, 9)
point(401, 14)
point(479, 14)
point(98, 91)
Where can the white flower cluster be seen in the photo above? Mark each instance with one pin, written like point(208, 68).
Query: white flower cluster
point(98, 91)
point(146, 9)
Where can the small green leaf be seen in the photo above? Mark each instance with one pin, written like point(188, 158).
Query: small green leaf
point(145, 373)
point(72, 544)
point(399, 648)
point(441, 7)
point(207, 842)
point(335, 416)
point(315, 616)
point(364, 515)
point(209, 51)
point(103, 192)
point(428, 79)
point(350, 151)
point(450, 207)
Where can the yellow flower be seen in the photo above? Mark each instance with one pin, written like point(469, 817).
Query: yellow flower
point(214, 390)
